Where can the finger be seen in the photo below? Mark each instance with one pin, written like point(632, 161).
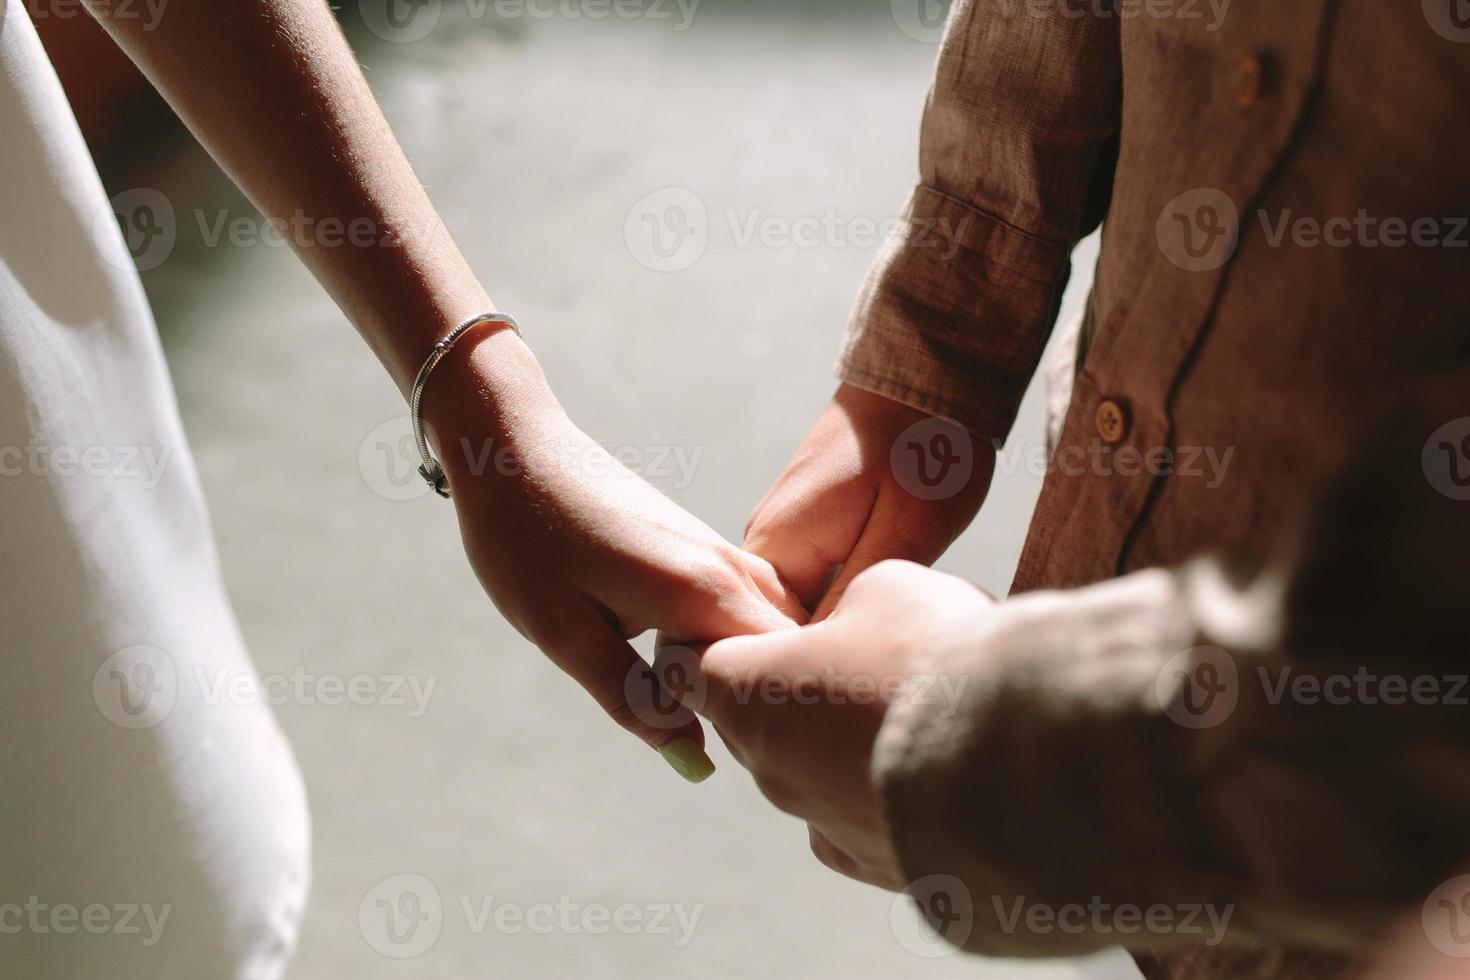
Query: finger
point(608, 668)
point(803, 563)
point(843, 862)
point(683, 673)
point(733, 747)
point(830, 855)
point(715, 680)
point(734, 673)
point(806, 546)
point(724, 599)
point(894, 530)
point(775, 588)
point(764, 607)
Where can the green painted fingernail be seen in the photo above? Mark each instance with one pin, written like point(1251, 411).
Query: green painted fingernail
point(688, 759)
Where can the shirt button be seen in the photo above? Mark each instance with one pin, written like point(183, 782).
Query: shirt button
point(1248, 83)
point(1112, 421)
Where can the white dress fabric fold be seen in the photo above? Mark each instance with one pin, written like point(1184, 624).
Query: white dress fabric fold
point(150, 826)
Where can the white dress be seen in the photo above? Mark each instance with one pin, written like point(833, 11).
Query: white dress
point(149, 827)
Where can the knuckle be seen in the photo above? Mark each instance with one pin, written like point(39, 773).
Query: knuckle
point(882, 575)
point(624, 714)
point(828, 854)
point(778, 793)
point(761, 571)
point(821, 848)
point(712, 572)
point(648, 720)
point(731, 559)
point(720, 576)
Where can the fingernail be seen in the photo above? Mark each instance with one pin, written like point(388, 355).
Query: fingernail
point(688, 759)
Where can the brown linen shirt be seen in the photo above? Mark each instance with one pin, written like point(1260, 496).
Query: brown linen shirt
point(1284, 281)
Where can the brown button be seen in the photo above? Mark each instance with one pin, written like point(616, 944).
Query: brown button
point(1249, 81)
point(1112, 421)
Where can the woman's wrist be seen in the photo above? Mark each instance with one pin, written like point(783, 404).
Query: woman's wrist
point(486, 388)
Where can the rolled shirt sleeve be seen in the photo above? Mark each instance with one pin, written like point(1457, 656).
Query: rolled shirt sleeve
point(1016, 160)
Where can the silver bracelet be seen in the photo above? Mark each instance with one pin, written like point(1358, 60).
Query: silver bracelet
point(431, 470)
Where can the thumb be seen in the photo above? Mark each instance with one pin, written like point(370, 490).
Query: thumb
point(807, 540)
point(894, 530)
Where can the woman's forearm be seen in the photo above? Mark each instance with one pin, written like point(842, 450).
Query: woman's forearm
point(272, 90)
point(577, 552)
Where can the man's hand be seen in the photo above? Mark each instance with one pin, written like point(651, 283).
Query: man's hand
point(578, 553)
point(874, 479)
point(801, 708)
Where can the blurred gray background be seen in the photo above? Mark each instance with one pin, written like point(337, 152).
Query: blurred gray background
point(547, 141)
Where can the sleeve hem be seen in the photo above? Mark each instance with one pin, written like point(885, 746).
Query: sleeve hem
point(954, 314)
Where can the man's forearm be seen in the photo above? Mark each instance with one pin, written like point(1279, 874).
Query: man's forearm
point(272, 90)
point(1107, 762)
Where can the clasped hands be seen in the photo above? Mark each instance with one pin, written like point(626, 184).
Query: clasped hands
point(580, 563)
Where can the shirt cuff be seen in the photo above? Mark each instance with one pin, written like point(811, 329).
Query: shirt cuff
point(1028, 794)
point(955, 313)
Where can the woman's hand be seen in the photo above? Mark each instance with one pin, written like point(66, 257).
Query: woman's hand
point(873, 479)
point(577, 552)
point(801, 709)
